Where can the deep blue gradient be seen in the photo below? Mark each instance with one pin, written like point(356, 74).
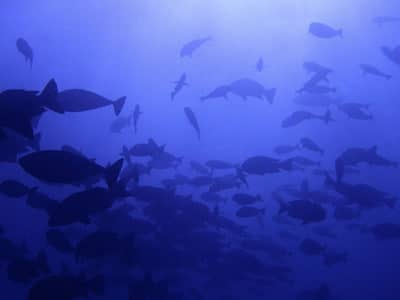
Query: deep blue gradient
point(131, 48)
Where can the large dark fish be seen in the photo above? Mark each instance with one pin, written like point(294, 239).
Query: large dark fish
point(76, 100)
point(192, 120)
point(246, 87)
point(189, 48)
point(26, 50)
point(57, 166)
point(18, 108)
point(324, 31)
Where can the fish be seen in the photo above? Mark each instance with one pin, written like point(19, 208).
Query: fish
point(63, 167)
point(300, 116)
point(78, 100)
point(346, 213)
point(199, 168)
point(393, 54)
point(386, 231)
point(324, 31)
point(314, 67)
point(356, 155)
point(189, 48)
point(40, 201)
point(215, 164)
point(370, 69)
point(261, 165)
point(311, 247)
point(304, 210)
point(80, 206)
point(151, 149)
point(179, 85)
point(59, 241)
point(23, 270)
point(136, 115)
point(246, 87)
point(286, 149)
point(18, 108)
point(192, 120)
point(120, 123)
point(304, 161)
point(313, 86)
point(66, 287)
point(332, 257)
point(26, 50)
point(219, 92)
point(310, 145)
point(380, 20)
point(246, 199)
point(249, 212)
point(15, 189)
point(260, 64)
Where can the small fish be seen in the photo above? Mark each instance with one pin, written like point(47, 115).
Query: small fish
point(199, 168)
point(249, 212)
point(324, 31)
point(26, 50)
point(314, 67)
point(286, 149)
point(136, 114)
point(15, 189)
point(311, 145)
point(189, 48)
point(369, 69)
point(120, 123)
point(179, 85)
point(385, 20)
point(219, 92)
point(300, 116)
point(192, 120)
point(393, 54)
point(260, 64)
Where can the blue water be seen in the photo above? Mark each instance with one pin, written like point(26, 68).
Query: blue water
point(131, 48)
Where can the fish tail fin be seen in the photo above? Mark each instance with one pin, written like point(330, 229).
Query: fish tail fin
point(42, 262)
point(388, 77)
point(112, 172)
point(270, 94)
point(49, 97)
point(119, 105)
point(96, 285)
point(340, 33)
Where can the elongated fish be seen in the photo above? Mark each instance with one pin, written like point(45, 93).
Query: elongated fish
point(189, 48)
point(26, 50)
point(192, 120)
point(76, 100)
